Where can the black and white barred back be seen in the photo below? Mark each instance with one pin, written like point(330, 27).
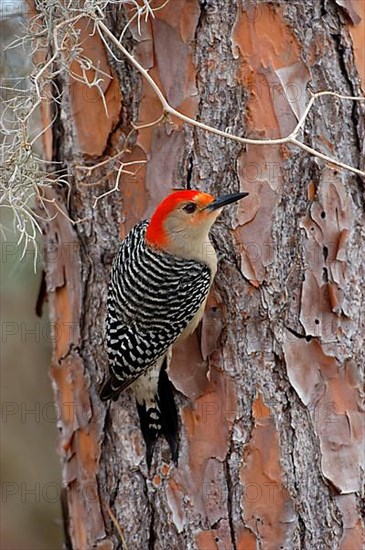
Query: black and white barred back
point(152, 298)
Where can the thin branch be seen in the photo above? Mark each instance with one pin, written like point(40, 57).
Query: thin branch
point(312, 100)
point(149, 124)
point(23, 177)
point(117, 180)
point(117, 526)
point(291, 138)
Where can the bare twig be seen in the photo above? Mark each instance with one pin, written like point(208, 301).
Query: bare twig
point(117, 526)
point(121, 171)
point(291, 138)
point(54, 41)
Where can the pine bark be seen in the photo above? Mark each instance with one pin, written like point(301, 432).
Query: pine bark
point(269, 387)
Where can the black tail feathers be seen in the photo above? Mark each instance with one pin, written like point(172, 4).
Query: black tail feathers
point(161, 420)
point(169, 418)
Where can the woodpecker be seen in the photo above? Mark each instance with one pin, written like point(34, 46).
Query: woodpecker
point(159, 284)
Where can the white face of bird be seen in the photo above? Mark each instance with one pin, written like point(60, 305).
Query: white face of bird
point(192, 219)
point(181, 223)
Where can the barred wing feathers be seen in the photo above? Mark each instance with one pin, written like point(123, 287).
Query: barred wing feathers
point(152, 298)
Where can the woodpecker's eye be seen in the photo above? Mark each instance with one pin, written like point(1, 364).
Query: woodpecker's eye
point(190, 207)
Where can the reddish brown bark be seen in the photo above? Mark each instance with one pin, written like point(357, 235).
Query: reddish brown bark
point(271, 437)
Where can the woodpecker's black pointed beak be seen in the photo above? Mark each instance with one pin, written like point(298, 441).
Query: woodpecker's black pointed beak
point(224, 200)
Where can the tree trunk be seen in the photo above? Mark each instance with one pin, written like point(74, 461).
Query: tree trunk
point(268, 388)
